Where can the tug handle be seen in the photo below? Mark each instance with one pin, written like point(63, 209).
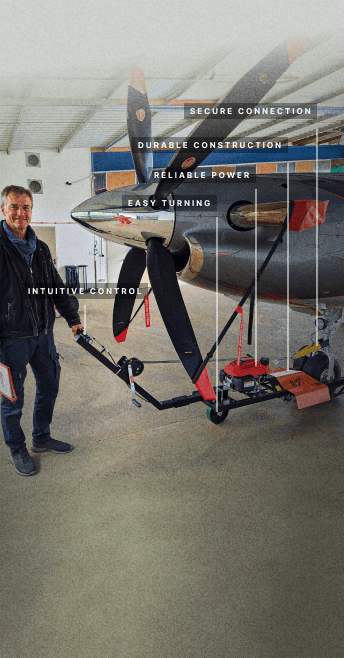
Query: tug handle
point(81, 332)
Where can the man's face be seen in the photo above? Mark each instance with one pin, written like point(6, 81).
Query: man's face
point(17, 212)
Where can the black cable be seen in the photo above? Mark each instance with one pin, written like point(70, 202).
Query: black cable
point(103, 346)
point(250, 315)
point(78, 181)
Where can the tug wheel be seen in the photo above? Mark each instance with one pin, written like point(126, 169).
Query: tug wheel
point(317, 367)
point(218, 417)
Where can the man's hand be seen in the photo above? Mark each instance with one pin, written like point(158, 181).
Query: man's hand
point(75, 328)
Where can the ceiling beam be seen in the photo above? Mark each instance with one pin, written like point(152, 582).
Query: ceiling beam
point(88, 117)
point(46, 102)
point(333, 124)
point(172, 131)
point(262, 125)
point(15, 131)
point(306, 81)
point(78, 129)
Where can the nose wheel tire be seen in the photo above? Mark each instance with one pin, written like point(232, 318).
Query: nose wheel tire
point(218, 417)
point(317, 367)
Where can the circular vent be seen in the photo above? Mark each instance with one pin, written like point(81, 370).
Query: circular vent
point(35, 187)
point(231, 215)
point(33, 160)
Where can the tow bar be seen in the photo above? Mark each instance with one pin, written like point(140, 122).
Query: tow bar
point(285, 384)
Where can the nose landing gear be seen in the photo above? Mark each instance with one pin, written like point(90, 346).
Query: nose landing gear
point(322, 365)
point(318, 367)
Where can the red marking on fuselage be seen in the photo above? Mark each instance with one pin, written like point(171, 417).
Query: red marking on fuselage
point(123, 220)
point(307, 214)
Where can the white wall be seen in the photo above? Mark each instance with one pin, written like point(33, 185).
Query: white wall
point(56, 169)
point(74, 244)
point(116, 256)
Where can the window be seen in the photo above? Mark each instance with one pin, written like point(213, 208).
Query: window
point(282, 167)
point(324, 166)
point(207, 171)
point(99, 182)
point(251, 169)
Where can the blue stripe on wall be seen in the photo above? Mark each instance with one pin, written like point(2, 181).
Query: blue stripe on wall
point(122, 160)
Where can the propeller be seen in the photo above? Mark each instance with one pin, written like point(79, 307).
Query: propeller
point(130, 276)
point(160, 263)
point(172, 309)
point(139, 125)
point(171, 305)
point(251, 88)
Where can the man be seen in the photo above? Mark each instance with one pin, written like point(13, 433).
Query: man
point(26, 322)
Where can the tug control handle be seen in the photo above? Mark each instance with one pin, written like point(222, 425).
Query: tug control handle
point(80, 332)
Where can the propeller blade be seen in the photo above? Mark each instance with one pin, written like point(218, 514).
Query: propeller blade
point(251, 88)
point(139, 125)
point(130, 276)
point(171, 305)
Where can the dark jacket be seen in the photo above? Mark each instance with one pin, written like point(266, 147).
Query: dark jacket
point(24, 312)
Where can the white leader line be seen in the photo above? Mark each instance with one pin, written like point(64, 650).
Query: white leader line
point(316, 234)
point(255, 278)
point(85, 318)
point(217, 307)
point(288, 270)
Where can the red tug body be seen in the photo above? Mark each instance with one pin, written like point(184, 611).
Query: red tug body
point(247, 367)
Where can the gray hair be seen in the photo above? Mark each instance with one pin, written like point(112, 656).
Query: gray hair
point(17, 189)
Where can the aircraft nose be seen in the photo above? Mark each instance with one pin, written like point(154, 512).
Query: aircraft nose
point(125, 216)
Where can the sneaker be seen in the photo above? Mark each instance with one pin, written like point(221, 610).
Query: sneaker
point(23, 463)
point(51, 445)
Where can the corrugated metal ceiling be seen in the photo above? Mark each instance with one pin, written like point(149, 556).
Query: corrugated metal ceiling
point(51, 108)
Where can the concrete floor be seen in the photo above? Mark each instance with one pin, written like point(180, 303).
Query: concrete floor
point(165, 536)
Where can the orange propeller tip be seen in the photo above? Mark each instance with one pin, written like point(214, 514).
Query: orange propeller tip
point(296, 46)
point(137, 79)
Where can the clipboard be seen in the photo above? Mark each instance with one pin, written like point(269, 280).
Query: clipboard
point(6, 383)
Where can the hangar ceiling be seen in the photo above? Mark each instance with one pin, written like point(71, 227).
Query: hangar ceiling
point(67, 106)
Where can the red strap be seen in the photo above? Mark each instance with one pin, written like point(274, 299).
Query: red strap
point(147, 315)
point(241, 331)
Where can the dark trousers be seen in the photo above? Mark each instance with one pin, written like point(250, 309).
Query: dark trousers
point(40, 353)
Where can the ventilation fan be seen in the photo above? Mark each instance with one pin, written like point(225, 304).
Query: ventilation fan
point(33, 159)
point(35, 186)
